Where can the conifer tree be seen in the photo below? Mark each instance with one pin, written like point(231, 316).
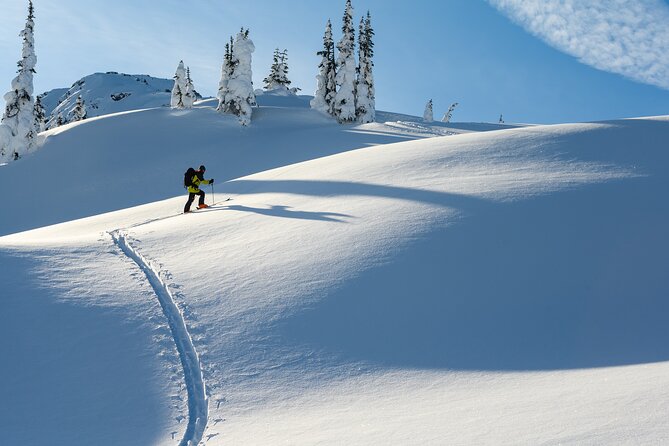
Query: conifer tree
point(365, 91)
point(428, 115)
point(79, 110)
point(273, 72)
point(324, 98)
point(278, 76)
point(60, 120)
point(179, 89)
point(40, 115)
point(226, 73)
point(238, 97)
point(189, 93)
point(19, 112)
point(449, 114)
point(6, 137)
point(345, 107)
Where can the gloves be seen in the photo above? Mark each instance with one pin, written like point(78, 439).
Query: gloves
point(211, 181)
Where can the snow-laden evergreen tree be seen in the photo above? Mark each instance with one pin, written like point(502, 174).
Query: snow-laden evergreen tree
point(326, 92)
point(237, 96)
point(278, 76)
point(226, 73)
point(189, 93)
point(19, 115)
point(52, 120)
point(60, 120)
point(345, 107)
point(428, 115)
point(40, 115)
point(449, 114)
point(79, 110)
point(365, 91)
point(5, 140)
point(179, 89)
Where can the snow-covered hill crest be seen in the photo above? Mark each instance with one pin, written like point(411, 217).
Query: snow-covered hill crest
point(106, 93)
point(139, 156)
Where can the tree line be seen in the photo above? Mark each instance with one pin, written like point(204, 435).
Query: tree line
point(345, 87)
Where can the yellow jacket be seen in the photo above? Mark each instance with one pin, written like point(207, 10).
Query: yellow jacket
point(194, 188)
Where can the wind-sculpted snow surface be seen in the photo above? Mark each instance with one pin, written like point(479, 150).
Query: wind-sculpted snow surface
point(190, 361)
point(505, 287)
point(87, 359)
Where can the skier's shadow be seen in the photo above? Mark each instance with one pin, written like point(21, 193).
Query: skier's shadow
point(287, 212)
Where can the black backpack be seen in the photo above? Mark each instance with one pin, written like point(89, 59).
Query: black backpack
point(188, 177)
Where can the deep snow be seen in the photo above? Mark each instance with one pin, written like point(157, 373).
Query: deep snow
point(505, 287)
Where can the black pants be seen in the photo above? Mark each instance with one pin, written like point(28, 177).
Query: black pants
point(191, 197)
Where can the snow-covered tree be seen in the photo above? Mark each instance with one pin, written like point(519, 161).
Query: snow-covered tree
point(20, 109)
point(54, 120)
point(226, 73)
point(278, 76)
point(40, 115)
point(189, 93)
point(428, 115)
point(241, 82)
point(79, 110)
point(365, 91)
point(179, 89)
point(345, 107)
point(236, 94)
point(324, 98)
point(449, 114)
point(5, 140)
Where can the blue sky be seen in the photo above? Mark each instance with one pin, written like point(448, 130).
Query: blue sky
point(531, 60)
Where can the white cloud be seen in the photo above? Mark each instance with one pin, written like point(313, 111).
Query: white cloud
point(628, 37)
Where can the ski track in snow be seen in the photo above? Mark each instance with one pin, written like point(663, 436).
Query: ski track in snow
point(197, 397)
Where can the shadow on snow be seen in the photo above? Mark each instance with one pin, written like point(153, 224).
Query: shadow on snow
point(571, 280)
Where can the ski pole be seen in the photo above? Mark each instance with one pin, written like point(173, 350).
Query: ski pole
point(213, 201)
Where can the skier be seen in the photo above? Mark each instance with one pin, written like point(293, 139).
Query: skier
point(192, 180)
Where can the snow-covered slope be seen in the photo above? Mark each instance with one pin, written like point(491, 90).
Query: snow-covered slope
point(106, 93)
point(505, 287)
point(126, 159)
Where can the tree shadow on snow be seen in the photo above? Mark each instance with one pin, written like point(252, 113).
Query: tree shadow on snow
point(345, 189)
point(287, 212)
point(572, 280)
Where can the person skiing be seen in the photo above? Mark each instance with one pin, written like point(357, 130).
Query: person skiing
point(193, 179)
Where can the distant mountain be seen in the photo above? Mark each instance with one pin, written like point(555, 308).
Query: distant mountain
point(105, 93)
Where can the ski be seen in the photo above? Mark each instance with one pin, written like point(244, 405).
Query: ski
point(214, 206)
